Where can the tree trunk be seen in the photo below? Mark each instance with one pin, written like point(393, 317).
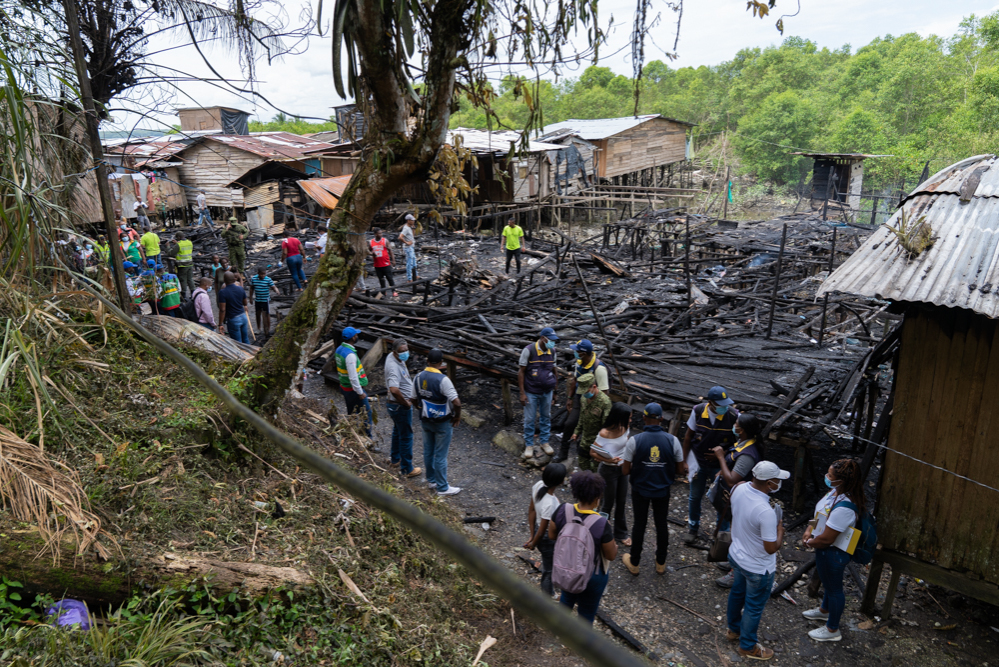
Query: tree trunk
point(394, 155)
point(87, 579)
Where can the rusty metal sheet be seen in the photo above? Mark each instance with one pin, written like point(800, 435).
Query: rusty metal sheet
point(960, 269)
point(275, 145)
point(325, 191)
point(602, 128)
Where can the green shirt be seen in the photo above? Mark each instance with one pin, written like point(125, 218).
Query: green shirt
point(150, 243)
point(592, 415)
point(513, 236)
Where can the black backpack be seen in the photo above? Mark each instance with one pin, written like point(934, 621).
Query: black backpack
point(188, 311)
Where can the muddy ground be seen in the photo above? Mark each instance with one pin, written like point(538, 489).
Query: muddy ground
point(929, 626)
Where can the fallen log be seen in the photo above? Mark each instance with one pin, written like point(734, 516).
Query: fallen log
point(179, 331)
point(102, 583)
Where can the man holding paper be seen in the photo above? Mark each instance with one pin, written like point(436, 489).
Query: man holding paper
point(834, 538)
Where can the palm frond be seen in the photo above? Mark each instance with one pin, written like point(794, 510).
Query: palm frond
point(40, 490)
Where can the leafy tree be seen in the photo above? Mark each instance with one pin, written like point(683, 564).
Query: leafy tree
point(782, 123)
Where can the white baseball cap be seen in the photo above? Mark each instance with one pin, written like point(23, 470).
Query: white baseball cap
point(765, 470)
point(409, 216)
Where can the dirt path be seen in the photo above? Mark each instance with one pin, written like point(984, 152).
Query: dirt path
point(494, 483)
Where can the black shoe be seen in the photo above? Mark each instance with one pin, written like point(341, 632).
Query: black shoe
point(560, 457)
point(691, 536)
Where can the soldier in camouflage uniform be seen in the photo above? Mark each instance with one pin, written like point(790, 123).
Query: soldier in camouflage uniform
point(233, 235)
point(596, 406)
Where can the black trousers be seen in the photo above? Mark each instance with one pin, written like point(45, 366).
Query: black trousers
point(512, 254)
point(570, 425)
point(384, 274)
point(660, 512)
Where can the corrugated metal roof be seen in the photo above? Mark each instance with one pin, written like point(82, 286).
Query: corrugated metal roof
point(325, 191)
point(602, 128)
point(839, 156)
point(496, 143)
point(274, 145)
point(151, 148)
point(960, 269)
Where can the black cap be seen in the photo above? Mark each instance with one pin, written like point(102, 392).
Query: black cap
point(435, 357)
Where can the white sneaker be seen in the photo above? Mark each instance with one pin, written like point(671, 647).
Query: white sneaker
point(451, 491)
point(824, 634)
point(528, 453)
point(547, 449)
point(816, 615)
point(431, 485)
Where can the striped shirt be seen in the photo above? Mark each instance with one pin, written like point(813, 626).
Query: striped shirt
point(262, 289)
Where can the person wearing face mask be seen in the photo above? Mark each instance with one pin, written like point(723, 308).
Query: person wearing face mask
point(538, 380)
point(709, 426)
point(736, 464)
point(203, 305)
point(400, 409)
point(840, 507)
point(757, 535)
point(586, 363)
point(594, 409)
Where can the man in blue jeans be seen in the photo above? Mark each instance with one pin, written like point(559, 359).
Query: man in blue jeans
point(440, 412)
point(709, 426)
point(400, 408)
point(757, 535)
point(232, 310)
point(537, 379)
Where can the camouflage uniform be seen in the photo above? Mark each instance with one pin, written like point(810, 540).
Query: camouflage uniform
point(233, 236)
point(592, 415)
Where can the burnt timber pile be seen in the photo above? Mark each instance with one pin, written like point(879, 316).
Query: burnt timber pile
point(673, 302)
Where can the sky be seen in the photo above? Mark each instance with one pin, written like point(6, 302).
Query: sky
point(711, 32)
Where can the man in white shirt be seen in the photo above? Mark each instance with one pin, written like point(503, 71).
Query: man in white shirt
point(141, 218)
point(757, 534)
point(204, 215)
point(408, 239)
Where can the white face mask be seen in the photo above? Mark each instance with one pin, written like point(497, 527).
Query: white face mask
point(779, 482)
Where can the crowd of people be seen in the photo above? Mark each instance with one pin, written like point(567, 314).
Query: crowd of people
point(721, 455)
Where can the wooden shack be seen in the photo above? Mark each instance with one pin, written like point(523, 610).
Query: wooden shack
point(938, 496)
point(222, 119)
point(630, 149)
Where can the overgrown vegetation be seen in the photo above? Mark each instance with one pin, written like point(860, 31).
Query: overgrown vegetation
point(916, 98)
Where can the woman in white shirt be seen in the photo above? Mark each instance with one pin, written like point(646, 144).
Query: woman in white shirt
point(840, 508)
point(539, 514)
point(607, 449)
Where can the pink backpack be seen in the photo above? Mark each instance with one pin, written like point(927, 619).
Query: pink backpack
point(575, 557)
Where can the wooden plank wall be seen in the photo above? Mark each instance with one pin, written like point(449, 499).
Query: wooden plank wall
point(946, 413)
point(211, 165)
point(653, 143)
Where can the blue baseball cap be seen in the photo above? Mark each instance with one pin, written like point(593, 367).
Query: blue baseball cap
point(654, 410)
point(350, 332)
point(151, 262)
point(719, 396)
point(582, 346)
point(129, 265)
point(549, 333)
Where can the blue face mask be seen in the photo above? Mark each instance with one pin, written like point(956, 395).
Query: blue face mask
point(734, 431)
point(721, 409)
point(588, 395)
point(403, 356)
point(550, 345)
point(575, 354)
point(829, 482)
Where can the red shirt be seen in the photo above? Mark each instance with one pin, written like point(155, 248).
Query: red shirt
point(292, 246)
point(380, 251)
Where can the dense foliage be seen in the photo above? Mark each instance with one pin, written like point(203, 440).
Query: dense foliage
point(916, 98)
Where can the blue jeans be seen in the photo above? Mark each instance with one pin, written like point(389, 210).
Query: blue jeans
point(410, 262)
point(239, 328)
point(357, 404)
point(698, 486)
point(830, 563)
point(204, 216)
point(538, 404)
point(295, 269)
point(589, 600)
point(402, 436)
point(746, 600)
point(436, 442)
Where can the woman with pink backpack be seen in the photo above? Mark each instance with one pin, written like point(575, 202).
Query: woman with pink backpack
point(584, 546)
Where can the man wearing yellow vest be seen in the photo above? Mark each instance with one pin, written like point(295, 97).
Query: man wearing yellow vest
point(185, 263)
point(353, 378)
